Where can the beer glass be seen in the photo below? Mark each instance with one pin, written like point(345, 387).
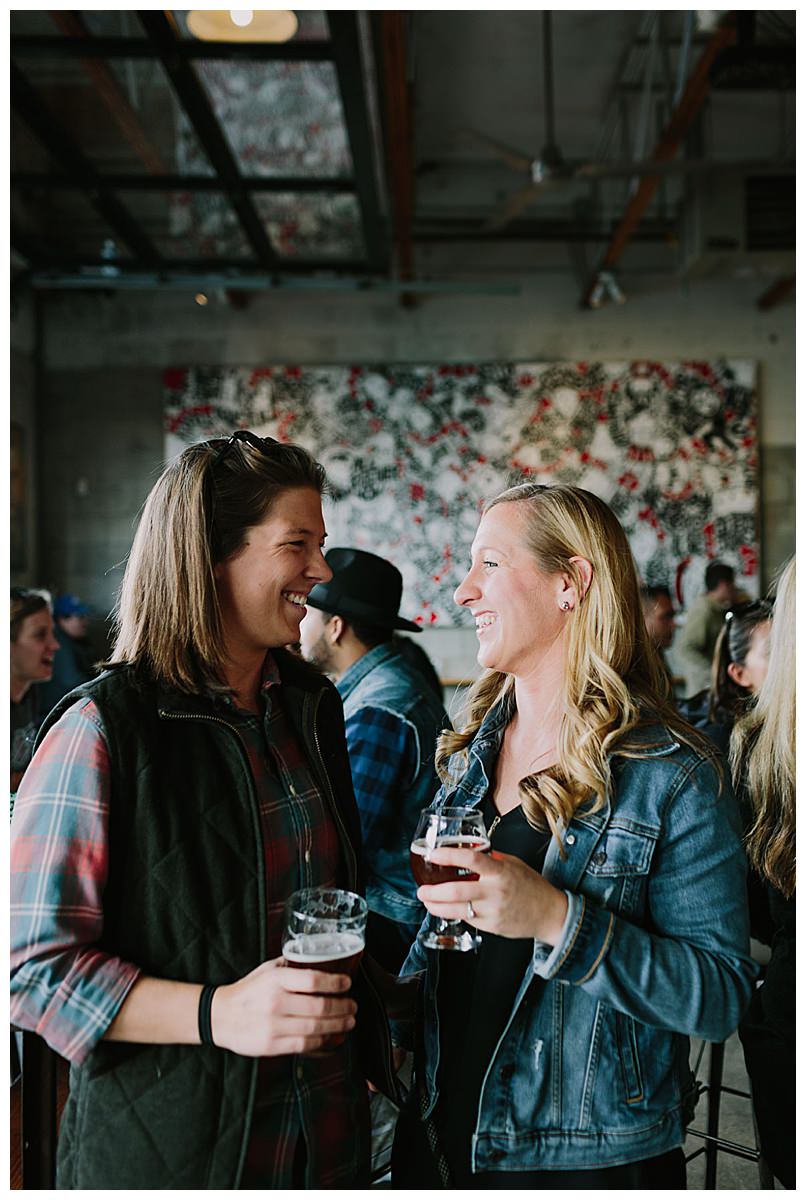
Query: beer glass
point(324, 929)
point(438, 828)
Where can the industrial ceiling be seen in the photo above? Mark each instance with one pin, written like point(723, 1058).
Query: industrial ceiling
point(412, 150)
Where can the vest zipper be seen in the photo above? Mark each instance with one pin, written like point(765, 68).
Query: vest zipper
point(174, 716)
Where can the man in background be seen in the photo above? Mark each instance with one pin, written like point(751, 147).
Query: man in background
point(695, 645)
point(393, 718)
point(656, 601)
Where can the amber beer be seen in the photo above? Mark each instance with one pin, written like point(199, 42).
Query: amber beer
point(427, 872)
point(335, 953)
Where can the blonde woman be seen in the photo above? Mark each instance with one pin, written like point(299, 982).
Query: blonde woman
point(171, 808)
point(763, 760)
point(612, 907)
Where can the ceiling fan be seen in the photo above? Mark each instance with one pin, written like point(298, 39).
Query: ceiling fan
point(550, 169)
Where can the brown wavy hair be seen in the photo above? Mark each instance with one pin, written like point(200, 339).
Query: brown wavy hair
point(762, 750)
point(614, 677)
point(197, 515)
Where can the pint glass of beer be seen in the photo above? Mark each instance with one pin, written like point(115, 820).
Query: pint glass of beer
point(324, 929)
point(438, 828)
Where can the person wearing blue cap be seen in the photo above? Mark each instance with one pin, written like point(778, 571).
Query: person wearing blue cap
point(74, 661)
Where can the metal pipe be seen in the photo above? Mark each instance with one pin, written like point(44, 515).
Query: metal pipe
point(156, 281)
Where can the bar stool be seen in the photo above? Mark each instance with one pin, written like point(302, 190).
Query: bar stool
point(713, 1087)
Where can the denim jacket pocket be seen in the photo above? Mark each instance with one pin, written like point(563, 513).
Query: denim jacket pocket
point(615, 874)
point(631, 1074)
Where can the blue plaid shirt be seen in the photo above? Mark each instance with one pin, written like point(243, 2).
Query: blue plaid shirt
point(392, 721)
point(383, 762)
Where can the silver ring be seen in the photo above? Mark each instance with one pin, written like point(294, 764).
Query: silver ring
point(471, 912)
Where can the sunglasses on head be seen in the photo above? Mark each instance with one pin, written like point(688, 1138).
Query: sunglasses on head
point(264, 444)
point(751, 608)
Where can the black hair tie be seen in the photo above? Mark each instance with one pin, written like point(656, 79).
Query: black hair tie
point(205, 1011)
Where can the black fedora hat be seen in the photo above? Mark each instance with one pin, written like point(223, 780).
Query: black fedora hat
point(364, 587)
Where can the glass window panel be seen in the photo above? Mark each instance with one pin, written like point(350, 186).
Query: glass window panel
point(67, 222)
point(30, 23)
point(280, 118)
point(112, 23)
point(312, 224)
point(68, 91)
point(26, 151)
point(189, 224)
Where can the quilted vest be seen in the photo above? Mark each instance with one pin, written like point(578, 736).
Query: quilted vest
point(185, 900)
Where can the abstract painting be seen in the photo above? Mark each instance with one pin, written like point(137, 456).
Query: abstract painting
point(412, 452)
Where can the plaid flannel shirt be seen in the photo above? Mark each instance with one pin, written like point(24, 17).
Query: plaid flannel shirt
point(68, 991)
point(383, 761)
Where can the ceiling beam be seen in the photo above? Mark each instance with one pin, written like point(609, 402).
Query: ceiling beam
point(199, 110)
point(184, 183)
point(461, 229)
point(776, 293)
point(39, 46)
point(184, 282)
point(46, 126)
point(399, 135)
point(346, 53)
point(236, 268)
point(680, 121)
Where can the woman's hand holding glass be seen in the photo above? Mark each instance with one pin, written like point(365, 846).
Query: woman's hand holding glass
point(277, 1009)
point(507, 898)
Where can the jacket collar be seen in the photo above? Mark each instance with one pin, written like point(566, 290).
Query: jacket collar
point(362, 667)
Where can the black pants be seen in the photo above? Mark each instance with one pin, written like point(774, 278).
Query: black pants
point(770, 1062)
point(413, 1166)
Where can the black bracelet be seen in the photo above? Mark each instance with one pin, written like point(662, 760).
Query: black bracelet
point(205, 1010)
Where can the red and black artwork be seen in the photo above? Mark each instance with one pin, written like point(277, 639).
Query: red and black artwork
point(412, 452)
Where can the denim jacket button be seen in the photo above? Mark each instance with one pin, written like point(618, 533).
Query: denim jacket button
point(599, 858)
point(570, 839)
point(496, 1155)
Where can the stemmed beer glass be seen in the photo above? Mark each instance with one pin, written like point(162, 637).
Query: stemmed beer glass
point(438, 828)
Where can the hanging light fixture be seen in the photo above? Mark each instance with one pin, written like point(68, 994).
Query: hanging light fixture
point(242, 25)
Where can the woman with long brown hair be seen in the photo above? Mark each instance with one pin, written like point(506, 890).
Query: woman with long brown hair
point(33, 648)
point(172, 806)
point(612, 907)
point(763, 760)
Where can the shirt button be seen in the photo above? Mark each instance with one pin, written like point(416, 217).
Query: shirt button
point(307, 856)
point(570, 839)
point(300, 1074)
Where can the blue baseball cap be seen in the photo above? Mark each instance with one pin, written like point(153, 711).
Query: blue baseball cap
point(69, 606)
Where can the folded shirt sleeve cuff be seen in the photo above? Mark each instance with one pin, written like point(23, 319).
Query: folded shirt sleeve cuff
point(585, 939)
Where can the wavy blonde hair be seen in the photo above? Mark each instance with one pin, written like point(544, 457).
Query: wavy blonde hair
point(762, 750)
point(614, 676)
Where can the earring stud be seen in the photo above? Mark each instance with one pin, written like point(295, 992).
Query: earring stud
point(566, 606)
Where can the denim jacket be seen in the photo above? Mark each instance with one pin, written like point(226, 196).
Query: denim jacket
point(592, 1066)
point(382, 684)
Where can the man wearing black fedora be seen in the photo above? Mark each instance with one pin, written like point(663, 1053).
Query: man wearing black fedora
point(393, 716)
